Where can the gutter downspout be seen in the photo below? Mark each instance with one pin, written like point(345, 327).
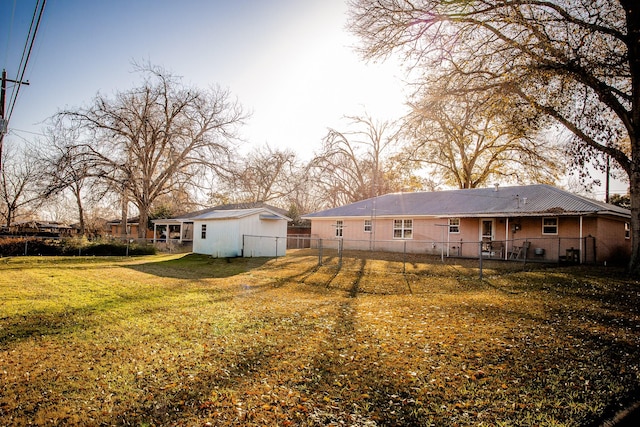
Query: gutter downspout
point(506, 239)
point(581, 243)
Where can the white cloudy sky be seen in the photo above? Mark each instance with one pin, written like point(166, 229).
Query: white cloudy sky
point(289, 62)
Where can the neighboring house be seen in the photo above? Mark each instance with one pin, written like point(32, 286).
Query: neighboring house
point(256, 232)
point(39, 228)
point(116, 231)
point(520, 222)
point(179, 229)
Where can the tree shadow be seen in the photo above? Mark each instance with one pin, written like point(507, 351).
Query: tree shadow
point(197, 266)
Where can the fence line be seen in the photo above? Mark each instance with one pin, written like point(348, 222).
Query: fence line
point(546, 250)
point(549, 250)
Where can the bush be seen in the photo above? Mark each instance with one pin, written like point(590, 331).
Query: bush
point(619, 256)
point(17, 246)
point(112, 248)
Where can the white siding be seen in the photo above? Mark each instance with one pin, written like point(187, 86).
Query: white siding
point(224, 237)
point(221, 239)
point(272, 240)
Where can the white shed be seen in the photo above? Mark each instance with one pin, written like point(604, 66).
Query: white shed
point(257, 232)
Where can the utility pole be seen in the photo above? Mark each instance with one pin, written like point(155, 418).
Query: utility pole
point(4, 122)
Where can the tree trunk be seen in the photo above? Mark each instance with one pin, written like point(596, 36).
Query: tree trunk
point(80, 212)
point(634, 190)
point(633, 45)
point(125, 211)
point(142, 224)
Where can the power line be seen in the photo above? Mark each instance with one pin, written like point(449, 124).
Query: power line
point(24, 60)
point(26, 54)
point(10, 30)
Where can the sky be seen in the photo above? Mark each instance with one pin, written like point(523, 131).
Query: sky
point(290, 63)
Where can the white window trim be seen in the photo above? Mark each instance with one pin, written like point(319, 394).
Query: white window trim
point(627, 230)
point(557, 225)
point(203, 231)
point(339, 228)
point(403, 230)
point(457, 226)
point(368, 224)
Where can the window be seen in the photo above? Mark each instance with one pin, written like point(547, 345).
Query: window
point(367, 226)
point(627, 230)
point(339, 226)
point(203, 231)
point(402, 228)
point(549, 225)
point(454, 225)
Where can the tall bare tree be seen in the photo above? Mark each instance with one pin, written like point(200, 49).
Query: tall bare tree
point(19, 183)
point(263, 175)
point(472, 138)
point(148, 140)
point(577, 62)
point(352, 165)
point(66, 168)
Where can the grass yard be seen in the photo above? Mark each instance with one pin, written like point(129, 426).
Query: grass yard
point(188, 340)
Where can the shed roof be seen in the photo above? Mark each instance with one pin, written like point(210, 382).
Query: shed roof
point(238, 213)
point(526, 200)
point(223, 212)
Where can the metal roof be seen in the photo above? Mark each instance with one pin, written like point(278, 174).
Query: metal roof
point(526, 200)
point(237, 213)
point(231, 207)
point(218, 212)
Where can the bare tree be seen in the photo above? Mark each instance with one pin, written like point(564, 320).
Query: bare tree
point(19, 179)
point(149, 140)
point(66, 167)
point(351, 165)
point(263, 175)
point(471, 139)
point(577, 62)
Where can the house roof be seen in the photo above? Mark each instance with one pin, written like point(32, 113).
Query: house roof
point(527, 200)
point(239, 213)
point(228, 207)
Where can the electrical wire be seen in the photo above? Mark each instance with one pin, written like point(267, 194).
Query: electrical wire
point(26, 54)
point(10, 30)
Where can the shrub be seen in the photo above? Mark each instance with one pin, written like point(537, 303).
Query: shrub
point(619, 256)
point(17, 246)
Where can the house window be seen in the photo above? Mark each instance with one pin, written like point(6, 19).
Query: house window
point(367, 226)
point(549, 225)
point(339, 226)
point(627, 230)
point(203, 231)
point(402, 228)
point(454, 225)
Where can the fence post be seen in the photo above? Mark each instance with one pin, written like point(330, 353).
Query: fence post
point(404, 258)
point(480, 257)
point(319, 252)
point(25, 246)
point(340, 253)
point(276, 248)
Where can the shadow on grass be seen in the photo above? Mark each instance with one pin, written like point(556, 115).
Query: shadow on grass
point(197, 266)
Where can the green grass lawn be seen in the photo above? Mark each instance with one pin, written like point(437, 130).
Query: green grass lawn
point(192, 341)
